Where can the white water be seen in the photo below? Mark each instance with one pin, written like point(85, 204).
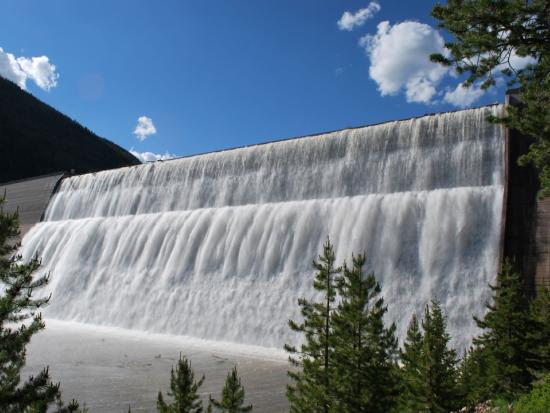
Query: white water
point(219, 246)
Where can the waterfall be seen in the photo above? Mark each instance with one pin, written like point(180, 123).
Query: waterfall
point(219, 246)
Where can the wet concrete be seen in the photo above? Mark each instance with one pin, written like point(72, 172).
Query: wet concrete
point(109, 369)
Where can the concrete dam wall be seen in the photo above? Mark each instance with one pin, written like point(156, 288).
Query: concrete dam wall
point(30, 197)
point(219, 246)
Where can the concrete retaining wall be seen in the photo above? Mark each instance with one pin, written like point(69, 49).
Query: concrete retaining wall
point(31, 197)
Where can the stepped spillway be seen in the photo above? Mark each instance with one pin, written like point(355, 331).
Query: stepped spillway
point(219, 246)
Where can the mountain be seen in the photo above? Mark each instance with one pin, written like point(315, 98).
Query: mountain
point(36, 139)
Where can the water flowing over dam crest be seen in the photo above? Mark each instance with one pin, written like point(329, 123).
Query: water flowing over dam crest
point(219, 246)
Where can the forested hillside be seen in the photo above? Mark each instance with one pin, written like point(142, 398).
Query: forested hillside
point(36, 139)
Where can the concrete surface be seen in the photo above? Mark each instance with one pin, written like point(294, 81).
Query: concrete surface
point(31, 196)
point(109, 368)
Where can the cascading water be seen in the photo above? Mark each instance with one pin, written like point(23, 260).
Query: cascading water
point(219, 246)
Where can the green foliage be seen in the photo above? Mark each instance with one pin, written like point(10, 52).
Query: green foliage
point(488, 34)
point(473, 385)
point(349, 359)
point(514, 347)
point(232, 400)
point(49, 140)
point(184, 390)
point(539, 336)
point(72, 407)
point(312, 389)
point(412, 396)
point(509, 358)
point(19, 321)
point(440, 362)
point(365, 350)
point(532, 118)
point(429, 365)
point(537, 401)
point(500, 406)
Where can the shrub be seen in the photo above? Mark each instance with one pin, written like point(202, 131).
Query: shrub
point(537, 401)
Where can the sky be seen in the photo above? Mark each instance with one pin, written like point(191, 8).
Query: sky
point(175, 78)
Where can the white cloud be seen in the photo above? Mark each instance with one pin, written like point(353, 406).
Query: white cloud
point(349, 21)
point(20, 69)
point(151, 157)
point(518, 62)
point(40, 70)
point(10, 69)
point(420, 89)
point(144, 128)
point(463, 96)
point(400, 59)
point(400, 62)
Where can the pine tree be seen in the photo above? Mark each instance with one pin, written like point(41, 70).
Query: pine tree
point(539, 337)
point(510, 359)
point(232, 400)
point(184, 390)
point(440, 362)
point(489, 36)
point(312, 387)
point(412, 398)
point(472, 384)
point(19, 321)
point(365, 350)
point(429, 365)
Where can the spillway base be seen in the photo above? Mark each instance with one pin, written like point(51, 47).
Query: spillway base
point(109, 369)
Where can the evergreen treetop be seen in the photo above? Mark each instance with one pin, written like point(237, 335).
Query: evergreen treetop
point(365, 349)
point(440, 361)
point(511, 359)
point(232, 400)
point(311, 389)
point(184, 390)
point(412, 396)
point(429, 365)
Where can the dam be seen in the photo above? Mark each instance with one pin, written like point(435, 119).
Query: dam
point(219, 246)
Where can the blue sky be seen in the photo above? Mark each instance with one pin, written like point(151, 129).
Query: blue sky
point(217, 74)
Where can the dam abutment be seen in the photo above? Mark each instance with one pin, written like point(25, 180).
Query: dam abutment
point(526, 217)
